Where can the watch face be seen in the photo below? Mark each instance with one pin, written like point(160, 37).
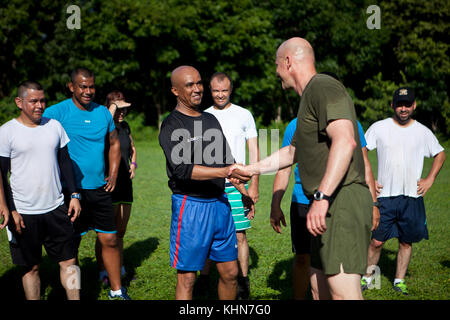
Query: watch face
point(318, 195)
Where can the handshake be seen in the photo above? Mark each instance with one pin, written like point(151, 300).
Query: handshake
point(239, 173)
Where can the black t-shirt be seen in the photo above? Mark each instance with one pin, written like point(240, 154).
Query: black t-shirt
point(188, 141)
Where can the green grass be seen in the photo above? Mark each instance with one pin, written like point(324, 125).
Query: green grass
point(147, 246)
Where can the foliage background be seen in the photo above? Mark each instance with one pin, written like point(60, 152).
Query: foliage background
point(133, 45)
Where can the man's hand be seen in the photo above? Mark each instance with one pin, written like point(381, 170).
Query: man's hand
point(250, 205)
point(18, 221)
point(132, 170)
point(423, 185)
point(239, 172)
point(375, 218)
point(315, 219)
point(378, 188)
point(74, 209)
point(4, 212)
point(253, 191)
point(110, 184)
point(277, 215)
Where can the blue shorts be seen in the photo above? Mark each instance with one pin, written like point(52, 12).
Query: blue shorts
point(401, 217)
point(201, 228)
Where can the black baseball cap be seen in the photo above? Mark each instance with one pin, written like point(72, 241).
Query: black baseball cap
point(405, 94)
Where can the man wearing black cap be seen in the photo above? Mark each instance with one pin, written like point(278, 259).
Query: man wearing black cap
point(401, 143)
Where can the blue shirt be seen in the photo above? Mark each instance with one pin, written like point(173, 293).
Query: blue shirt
point(87, 132)
point(297, 194)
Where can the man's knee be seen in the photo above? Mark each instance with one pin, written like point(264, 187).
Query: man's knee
point(376, 244)
point(241, 237)
point(67, 263)
point(186, 279)
point(405, 245)
point(31, 270)
point(108, 240)
point(229, 273)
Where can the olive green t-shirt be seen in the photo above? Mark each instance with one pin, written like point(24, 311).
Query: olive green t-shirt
point(324, 99)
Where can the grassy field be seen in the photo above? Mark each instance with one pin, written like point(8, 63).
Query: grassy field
point(147, 246)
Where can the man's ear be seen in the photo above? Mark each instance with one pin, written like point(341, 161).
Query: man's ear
point(174, 91)
point(70, 86)
point(288, 62)
point(18, 102)
point(414, 105)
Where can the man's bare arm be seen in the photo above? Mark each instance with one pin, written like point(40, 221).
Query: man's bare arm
point(370, 180)
point(425, 184)
point(343, 143)
point(280, 159)
point(253, 152)
point(114, 160)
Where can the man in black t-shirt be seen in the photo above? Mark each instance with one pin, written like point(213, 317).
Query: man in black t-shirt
point(198, 159)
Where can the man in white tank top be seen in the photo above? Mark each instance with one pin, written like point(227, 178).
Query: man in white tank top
point(401, 143)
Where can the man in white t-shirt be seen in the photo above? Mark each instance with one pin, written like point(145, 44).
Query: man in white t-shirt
point(401, 143)
point(34, 149)
point(239, 129)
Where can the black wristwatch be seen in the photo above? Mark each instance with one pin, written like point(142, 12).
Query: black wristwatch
point(319, 195)
point(376, 204)
point(75, 196)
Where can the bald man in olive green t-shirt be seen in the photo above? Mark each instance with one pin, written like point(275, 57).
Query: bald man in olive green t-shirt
point(329, 153)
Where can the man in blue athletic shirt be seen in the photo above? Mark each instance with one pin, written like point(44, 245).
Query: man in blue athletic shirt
point(88, 124)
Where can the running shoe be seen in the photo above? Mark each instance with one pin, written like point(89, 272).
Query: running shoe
point(364, 284)
point(401, 287)
point(122, 296)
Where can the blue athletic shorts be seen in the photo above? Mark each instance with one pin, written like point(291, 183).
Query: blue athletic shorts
point(401, 217)
point(201, 228)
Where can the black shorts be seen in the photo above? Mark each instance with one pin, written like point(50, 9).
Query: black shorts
point(97, 212)
point(401, 217)
point(123, 192)
point(300, 236)
point(53, 230)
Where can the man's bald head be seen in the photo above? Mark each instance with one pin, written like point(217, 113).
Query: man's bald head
point(187, 86)
point(298, 48)
point(295, 64)
point(180, 72)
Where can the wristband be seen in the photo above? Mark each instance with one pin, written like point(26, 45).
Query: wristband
point(135, 164)
point(75, 196)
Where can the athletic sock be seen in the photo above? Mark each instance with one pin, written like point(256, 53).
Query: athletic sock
point(397, 281)
point(116, 292)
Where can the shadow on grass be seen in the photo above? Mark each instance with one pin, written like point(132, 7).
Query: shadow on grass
point(388, 263)
point(446, 264)
point(11, 282)
point(135, 254)
point(281, 280)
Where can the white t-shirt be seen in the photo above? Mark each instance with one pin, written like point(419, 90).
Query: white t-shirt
point(400, 154)
point(238, 126)
point(35, 175)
